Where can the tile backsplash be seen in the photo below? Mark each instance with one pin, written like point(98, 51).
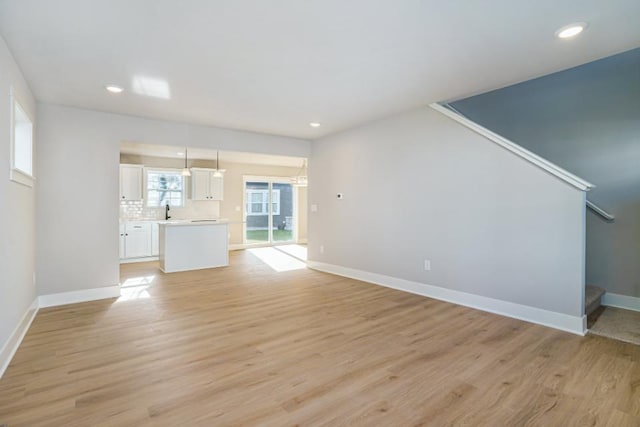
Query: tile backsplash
point(136, 210)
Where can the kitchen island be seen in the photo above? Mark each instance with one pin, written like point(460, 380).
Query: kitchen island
point(193, 245)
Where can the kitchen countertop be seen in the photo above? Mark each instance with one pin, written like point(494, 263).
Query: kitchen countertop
point(183, 222)
point(173, 221)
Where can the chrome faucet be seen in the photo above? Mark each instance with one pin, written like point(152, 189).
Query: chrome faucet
point(166, 212)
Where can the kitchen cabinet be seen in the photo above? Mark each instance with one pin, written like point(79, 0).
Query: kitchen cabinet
point(122, 233)
point(131, 182)
point(205, 185)
point(135, 240)
point(155, 239)
point(193, 245)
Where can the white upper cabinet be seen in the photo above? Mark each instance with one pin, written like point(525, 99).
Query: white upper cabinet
point(206, 186)
point(131, 182)
point(200, 184)
point(216, 186)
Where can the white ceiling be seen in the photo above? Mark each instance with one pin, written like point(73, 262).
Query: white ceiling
point(177, 152)
point(274, 66)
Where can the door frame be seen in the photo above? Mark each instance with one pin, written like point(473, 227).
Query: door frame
point(294, 194)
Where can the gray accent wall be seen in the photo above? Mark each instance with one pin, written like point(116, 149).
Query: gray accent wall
point(421, 186)
point(586, 120)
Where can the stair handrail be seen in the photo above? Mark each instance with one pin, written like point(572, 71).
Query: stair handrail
point(598, 210)
point(518, 150)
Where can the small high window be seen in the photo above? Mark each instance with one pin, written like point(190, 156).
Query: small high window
point(21, 144)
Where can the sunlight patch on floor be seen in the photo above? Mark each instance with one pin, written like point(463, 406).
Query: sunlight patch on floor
point(135, 288)
point(277, 260)
point(297, 251)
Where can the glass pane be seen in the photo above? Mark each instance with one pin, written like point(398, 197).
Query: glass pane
point(282, 213)
point(257, 196)
point(23, 141)
point(164, 187)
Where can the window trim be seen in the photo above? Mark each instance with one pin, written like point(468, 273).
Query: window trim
point(263, 203)
point(15, 174)
point(146, 171)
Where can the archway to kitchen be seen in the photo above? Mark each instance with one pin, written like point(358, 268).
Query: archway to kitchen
point(262, 199)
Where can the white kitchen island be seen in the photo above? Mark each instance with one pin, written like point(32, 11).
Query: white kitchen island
point(193, 245)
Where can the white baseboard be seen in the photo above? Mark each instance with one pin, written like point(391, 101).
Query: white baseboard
point(621, 301)
point(574, 324)
point(145, 259)
point(11, 346)
point(83, 295)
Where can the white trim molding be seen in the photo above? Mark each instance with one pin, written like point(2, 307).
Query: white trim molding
point(516, 149)
point(143, 259)
point(83, 295)
point(598, 210)
point(11, 346)
point(15, 339)
point(621, 301)
point(573, 324)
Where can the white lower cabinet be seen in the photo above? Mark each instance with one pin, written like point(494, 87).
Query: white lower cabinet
point(136, 239)
point(122, 241)
point(155, 239)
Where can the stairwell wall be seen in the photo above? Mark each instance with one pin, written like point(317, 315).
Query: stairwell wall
point(586, 120)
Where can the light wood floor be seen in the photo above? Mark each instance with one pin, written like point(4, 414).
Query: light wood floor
point(245, 345)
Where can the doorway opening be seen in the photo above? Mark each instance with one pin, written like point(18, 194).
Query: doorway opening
point(270, 211)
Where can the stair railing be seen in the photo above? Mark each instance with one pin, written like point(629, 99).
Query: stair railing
point(601, 212)
point(518, 150)
point(453, 113)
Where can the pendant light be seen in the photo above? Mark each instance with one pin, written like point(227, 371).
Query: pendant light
point(301, 179)
point(218, 172)
point(185, 171)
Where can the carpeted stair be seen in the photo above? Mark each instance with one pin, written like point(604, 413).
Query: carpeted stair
point(592, 299)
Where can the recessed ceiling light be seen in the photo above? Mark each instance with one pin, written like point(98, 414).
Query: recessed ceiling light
point(314, 124)
point(571, 30)
point(114, 89)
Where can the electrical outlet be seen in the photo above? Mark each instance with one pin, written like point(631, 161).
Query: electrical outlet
point(321, 249)
point(237, 208)
point(314, 208)
point(427, 264)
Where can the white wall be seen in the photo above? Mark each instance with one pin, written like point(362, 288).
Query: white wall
point(17, 213)
point(420, 186)
point(79, 157)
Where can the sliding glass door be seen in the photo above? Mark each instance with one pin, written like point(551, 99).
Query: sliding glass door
point(269, 210)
